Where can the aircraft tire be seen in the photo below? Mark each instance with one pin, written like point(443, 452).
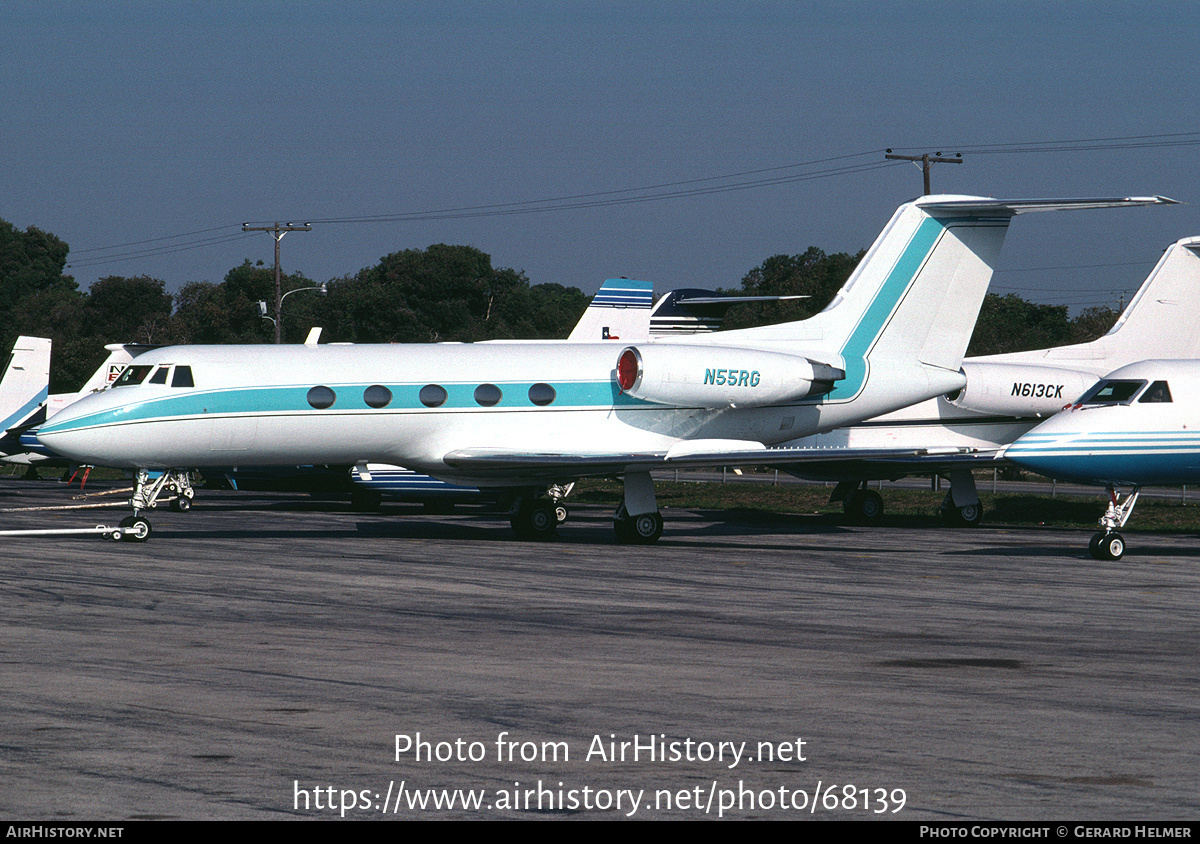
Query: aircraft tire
point(561, 513)
point(141, 528)
point(865, 506)
point(969, 515)
point(1110, 546)
point(181, 504)
point(535, 520)
point(646, 528)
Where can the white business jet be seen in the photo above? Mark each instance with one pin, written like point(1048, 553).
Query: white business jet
point(1137, 426)
point(1007, 395)
point(526, 416)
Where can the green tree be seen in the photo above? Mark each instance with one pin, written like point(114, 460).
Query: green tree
point(30, 262)
point(1093, 323)
point(812, 273)
point(1012, 324)
point(129, 310)
point(228, 312)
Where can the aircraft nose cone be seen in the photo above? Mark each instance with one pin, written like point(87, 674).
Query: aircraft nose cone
point(1052, 454)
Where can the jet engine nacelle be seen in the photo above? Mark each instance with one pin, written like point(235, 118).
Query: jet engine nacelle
point(720, 376)
point(1011, 389)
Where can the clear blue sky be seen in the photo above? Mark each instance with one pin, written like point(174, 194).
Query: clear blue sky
point(130, 121)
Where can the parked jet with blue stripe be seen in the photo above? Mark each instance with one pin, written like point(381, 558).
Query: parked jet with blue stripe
point(528, 416)
point(1137, 426)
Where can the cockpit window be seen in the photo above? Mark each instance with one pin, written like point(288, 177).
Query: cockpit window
point(1158, 392)
point(159, 376)
point(1112, 392)
point(182, 377)
point(132, 375)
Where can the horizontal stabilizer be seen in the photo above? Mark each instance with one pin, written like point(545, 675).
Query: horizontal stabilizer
point(975, 205)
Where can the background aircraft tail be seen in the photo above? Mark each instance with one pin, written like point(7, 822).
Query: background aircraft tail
point(26, 380)
point(620, 310)
point(1160, 322)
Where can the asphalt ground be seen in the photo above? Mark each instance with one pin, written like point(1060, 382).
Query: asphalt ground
point(272, 657)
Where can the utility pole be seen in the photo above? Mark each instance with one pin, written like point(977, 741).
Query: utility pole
point(926, 159)
point(277, 231)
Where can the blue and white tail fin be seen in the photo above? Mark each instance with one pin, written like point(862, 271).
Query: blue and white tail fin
point(620, 310)
point(917, 292)
point(25, 383)
point(1160, 322)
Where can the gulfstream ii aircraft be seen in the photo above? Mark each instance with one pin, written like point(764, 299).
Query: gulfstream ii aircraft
point(1136, 427)
point(529, 416)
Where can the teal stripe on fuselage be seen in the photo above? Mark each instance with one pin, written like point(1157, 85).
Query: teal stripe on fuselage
point(872, 323)
point(349, 398)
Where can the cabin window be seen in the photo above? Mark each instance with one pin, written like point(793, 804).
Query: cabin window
point(159, 376)
point(432, 395)
point(377, 396)
point(321, 397)
point(182, 377)
point(488, 395)
point(1158, 392)
point(1112, 392)
point(132, 375)
point(542, 394)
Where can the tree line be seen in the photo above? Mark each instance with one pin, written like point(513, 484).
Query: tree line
point(441, 293)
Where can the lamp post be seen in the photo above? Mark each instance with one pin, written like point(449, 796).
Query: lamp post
point(323, 287)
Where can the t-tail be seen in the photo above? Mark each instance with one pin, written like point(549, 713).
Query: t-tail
point(915, 296)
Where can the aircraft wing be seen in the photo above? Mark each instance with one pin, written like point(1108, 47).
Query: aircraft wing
point(689, 454)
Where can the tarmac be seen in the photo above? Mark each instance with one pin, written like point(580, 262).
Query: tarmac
point(270, 657)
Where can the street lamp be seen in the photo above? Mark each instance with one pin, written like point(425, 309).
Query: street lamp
point(323, 288)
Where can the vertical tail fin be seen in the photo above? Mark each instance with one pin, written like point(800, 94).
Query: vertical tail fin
point(917, 292)
point(26, 381)
point(1160, 321)
point(620, 310)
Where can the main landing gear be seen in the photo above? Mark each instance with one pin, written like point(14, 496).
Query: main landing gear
point(636, 522)
point(863, 505)
point(1108, 544)
point(538, 518)
point(147, 492)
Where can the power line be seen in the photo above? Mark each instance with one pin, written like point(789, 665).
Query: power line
point(752, 179)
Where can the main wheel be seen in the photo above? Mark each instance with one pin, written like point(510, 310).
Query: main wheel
point(969, 515)
point(646, 528)
point(865, 505)
point(535, 520)
point(560, 513)
point(181, 504)
point(137, 529)
point(637, 530)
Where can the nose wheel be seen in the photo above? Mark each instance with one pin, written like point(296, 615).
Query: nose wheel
point(133, 529)
point(1107, 546)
